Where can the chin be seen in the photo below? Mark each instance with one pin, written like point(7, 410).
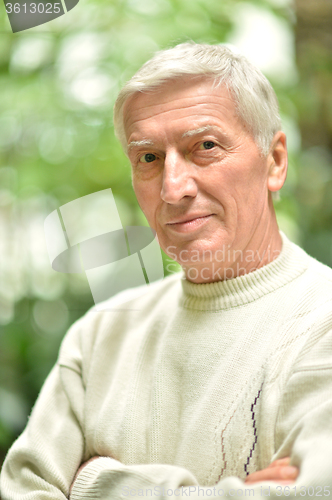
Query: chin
point(193, 252)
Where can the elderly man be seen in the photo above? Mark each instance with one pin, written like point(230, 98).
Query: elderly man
point(211, 378)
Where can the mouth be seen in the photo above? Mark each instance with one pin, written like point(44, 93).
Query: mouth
point(189, 223)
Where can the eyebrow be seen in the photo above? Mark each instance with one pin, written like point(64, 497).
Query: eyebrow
point(201, 130)
point(144, 142)
point(189, 133)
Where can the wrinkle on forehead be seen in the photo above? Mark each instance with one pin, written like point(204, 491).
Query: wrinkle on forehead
point(201, 111)
point(171, 103)
point(197, 92)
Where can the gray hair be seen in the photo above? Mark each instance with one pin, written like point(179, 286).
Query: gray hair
point(254, 97)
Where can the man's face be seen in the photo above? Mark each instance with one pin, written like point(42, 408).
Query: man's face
point(197, 172)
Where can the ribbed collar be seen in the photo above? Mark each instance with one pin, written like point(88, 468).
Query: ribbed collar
point(291, 262)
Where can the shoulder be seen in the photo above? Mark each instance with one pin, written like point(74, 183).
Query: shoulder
point(314, 285)
point(302, 308)
point(312, 293)
point(320, 273)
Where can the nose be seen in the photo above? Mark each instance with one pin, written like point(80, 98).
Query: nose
point(178, 178)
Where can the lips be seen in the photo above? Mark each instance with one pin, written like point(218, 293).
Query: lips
point(188, 218)
point(189, 224)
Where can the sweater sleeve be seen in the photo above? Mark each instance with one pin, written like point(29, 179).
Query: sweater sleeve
point(304, 423)
point(42, 462)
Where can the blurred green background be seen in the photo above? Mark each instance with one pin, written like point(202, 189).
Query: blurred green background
point(58, 83)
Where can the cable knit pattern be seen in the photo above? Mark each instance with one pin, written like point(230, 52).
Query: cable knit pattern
point(196, 385)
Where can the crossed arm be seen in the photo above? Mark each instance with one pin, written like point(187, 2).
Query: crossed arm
point(32, 465)
point(47, 455)
point(279, 471)
point(32, 468)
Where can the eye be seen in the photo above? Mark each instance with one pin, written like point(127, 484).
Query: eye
point(147, 158)
point(207, 145)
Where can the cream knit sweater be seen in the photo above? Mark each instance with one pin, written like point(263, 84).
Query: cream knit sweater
point(185, 394)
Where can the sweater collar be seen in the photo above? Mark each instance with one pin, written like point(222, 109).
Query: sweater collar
point(291, 262)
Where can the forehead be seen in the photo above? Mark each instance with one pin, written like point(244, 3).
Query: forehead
point(193, 102)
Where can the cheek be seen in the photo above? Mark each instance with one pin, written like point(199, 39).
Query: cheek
point(146, 200)
point(139, 186)
point(248, 181)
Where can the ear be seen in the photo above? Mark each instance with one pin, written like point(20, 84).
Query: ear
point(277, 162)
